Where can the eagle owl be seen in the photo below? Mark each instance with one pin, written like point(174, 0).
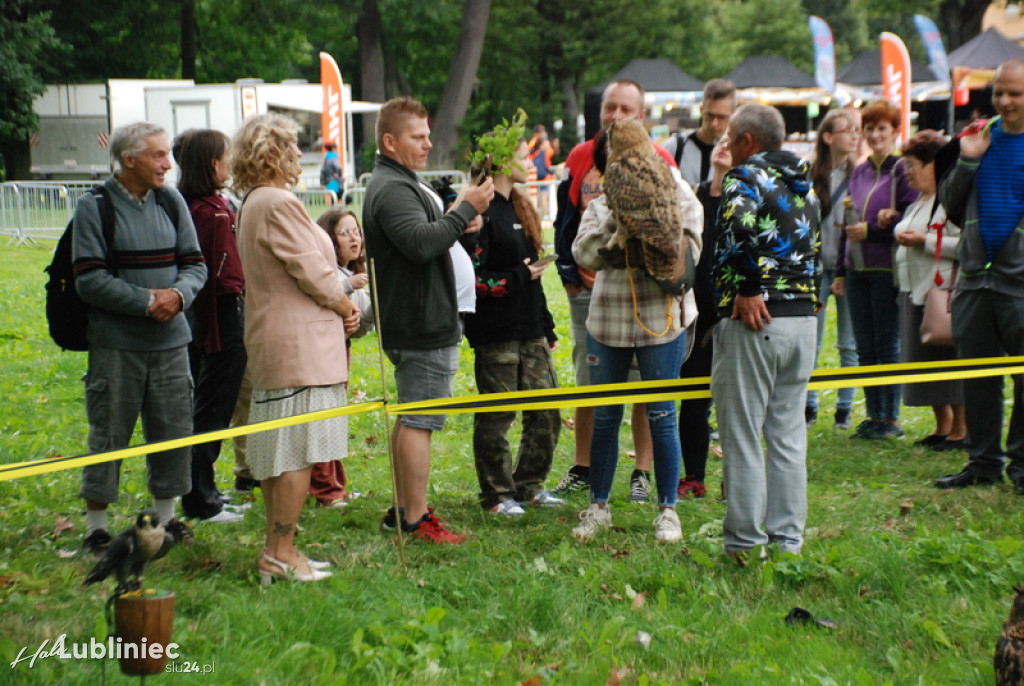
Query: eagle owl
point(1009, 658)
point(644, 198)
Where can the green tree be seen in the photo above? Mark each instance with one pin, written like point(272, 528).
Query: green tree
point(27, 52)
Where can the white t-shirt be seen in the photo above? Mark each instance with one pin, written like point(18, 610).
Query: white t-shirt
point(465, 277)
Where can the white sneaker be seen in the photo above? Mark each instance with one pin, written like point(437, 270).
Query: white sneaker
point(225, 517)
point(666, 526)
point(545, 499)
point(509, 508)
point(592, 519)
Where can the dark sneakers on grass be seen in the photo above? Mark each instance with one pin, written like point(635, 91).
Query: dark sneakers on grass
point(639, 486)
point(577, 479)
point(96, 543)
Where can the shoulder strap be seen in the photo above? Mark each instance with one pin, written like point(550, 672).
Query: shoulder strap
point(108, 221)
point(839, 192)
point(164, 200)
point(680, 142)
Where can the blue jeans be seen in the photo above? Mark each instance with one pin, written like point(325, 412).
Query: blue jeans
point(874, 311)
point(611, 365)
point(845, 342)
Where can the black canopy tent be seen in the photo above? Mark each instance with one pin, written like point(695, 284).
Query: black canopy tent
point(974, 64)
point(774, 80)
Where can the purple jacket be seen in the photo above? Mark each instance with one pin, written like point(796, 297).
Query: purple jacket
point(871, 190)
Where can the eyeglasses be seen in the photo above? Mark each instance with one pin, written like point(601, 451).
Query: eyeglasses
point(350, 232)
point(849, 130)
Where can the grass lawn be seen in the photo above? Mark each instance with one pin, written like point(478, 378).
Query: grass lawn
point(920, 580)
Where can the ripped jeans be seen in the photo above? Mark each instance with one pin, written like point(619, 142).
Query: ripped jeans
point(611, 365)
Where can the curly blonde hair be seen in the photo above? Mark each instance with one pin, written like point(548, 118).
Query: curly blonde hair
point(261, 152)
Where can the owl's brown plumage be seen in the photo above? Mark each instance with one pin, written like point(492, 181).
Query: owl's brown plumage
point(1009, 658)
point(643, 196)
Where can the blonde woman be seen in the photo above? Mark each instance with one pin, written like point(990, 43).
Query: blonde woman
point(294, 335)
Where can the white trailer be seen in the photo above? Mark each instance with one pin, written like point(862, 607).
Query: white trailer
point(76, 119)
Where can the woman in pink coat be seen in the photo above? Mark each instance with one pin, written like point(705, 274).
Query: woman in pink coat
point(294, 335)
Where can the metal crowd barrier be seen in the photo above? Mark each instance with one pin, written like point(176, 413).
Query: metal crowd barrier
point(39, 210)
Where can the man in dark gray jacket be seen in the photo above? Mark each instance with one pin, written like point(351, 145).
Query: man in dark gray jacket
point(410, 242)
point(983, 192)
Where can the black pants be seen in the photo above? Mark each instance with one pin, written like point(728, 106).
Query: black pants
point(694, 431)
point(218, 378)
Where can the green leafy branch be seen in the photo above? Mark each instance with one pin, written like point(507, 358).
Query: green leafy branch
point(501, 143)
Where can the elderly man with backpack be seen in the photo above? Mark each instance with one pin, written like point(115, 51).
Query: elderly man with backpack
point(137, 287)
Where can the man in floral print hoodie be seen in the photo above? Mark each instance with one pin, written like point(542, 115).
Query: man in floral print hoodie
point(767, 274)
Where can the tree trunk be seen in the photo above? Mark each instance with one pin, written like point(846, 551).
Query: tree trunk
point(188, 39)
point(371, 61)
point(461, 78)
point(570, 112)
point(960, 20)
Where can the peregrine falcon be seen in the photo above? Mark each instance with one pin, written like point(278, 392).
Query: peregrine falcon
point(131, 551)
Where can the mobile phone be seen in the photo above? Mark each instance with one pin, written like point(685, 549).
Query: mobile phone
point(544, 259)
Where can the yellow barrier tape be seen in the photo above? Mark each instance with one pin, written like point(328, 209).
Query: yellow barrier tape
point(23, 469)
point(556, 398)
point(686, 389)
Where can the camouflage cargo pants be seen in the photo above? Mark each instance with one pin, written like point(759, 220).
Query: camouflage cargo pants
point(503, 368)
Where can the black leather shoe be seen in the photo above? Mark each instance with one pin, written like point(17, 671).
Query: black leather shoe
point(966, 478)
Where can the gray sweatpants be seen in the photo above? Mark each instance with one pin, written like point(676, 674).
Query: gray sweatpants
point(758, 383)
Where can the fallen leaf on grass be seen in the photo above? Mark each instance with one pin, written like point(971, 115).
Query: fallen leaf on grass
point(569, 423)
point(535, 681)
point(644, 639)
point(905, 508)
point(64, 553)
point(716, 450)
point(422, 583)
point(7, 581)
point(638, 602)
point(63, 524)
point(617, 675)
point(357, 397)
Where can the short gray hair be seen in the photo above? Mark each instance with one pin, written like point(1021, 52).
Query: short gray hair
point(130, 140)
point(764, 123)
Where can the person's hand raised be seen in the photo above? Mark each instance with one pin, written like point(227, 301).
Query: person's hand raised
point(480, 196)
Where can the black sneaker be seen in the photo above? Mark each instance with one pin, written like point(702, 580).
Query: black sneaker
point(575, 480)
point(810, 415)
point(180, 532)
point(639, 486)
point(245, 485)
point(96, 543)
point(868, 429)
point(843, 420)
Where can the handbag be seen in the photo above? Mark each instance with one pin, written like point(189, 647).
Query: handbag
point(937, 319)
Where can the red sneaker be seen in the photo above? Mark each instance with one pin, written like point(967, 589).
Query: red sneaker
point(431, 529)
point(690, 487)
